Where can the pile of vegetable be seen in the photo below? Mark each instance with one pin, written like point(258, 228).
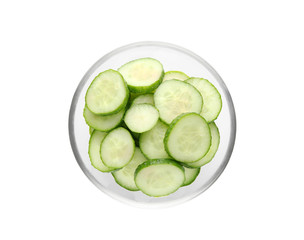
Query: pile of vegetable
point(152, 130)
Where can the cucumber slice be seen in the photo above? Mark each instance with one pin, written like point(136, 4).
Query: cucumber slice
point(151, 142)
point(94, 148)
point(103, 123)
point(107, 94)
point(159, 177)
point(145, 98)
point(125, 176)
point(141, 117)
point(174, 97)
point(190, 175)
point(91, 130)
point(117, 148)
point(175, 75)
point(188, 138)
point(215, 134)
point(212, 99)
point(142, 75)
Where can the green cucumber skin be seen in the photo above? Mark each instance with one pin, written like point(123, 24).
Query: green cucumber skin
point(158, 162)
point(133, 148)
point(147, 89)
point(171, 126)
point(124, 103)
point(194, 177)
point(178, 72)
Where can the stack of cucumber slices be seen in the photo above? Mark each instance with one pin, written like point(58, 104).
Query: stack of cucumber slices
point(151, 130)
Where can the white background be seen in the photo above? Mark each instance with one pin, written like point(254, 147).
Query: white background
point(46, 48)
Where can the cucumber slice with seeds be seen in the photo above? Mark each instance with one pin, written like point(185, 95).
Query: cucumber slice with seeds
point(107, 94)
point(94, 151)
point(125, 176)
point(141, 117)
point(188, 138)
point(151, 142)
point(175, 75)
point(212, 99)
point(145, 98)
point(117, 148)
point(103, 123)
point(190, 175)
point(215, 134)
point(174, 97)
point(159, 177)
point(142, 75)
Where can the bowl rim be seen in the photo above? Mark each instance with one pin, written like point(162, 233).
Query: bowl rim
point(92, 69)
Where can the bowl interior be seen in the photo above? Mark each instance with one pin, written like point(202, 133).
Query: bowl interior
point(173, 58)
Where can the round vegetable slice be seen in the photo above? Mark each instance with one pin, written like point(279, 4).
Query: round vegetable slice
point(175, 75)
point(151, 142)
point(141, 117)
point(145, 98)
point(103, 123)
point(94, 151)
point(107, 94)
point(188, 138)
point(190, 175)
point(159, 177)
point(212, 99)
point(213, 149)
point(125, 176)
point(174, 97)
point(117, 148)
point(142, 75)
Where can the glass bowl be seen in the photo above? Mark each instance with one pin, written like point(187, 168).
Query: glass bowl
point(173, 58)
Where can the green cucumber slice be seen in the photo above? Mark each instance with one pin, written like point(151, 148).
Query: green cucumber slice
point(151, 142)
point(159, 177)
point(174, 97)
point(175, 75)
point(142, 75)
point(103, 123)
point(212, 99)
point(91, 130)
point(117, 148)
point(94, 151)
point(107, 94)
point(215, 135)
point(190, 175)
point(125, 176)
point(188, 138)
point(145, 98)
point(141, 117)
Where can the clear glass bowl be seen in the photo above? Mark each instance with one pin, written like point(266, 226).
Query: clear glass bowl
point(173, 58)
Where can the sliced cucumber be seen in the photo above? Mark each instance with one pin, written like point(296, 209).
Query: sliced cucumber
point(142, 75)
point(107, 94)
point(212, 99)
point(159, 177)
point(175, 75)
point(94, 151)
point(125, 176)
point(145, 98)
point(188, 138)
point(174, 97)
point(103, 123)
point(190, 175)
point(91, 130)
point(141, 117)
point(215, 134)
point(151, 142)
point(117, 148)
